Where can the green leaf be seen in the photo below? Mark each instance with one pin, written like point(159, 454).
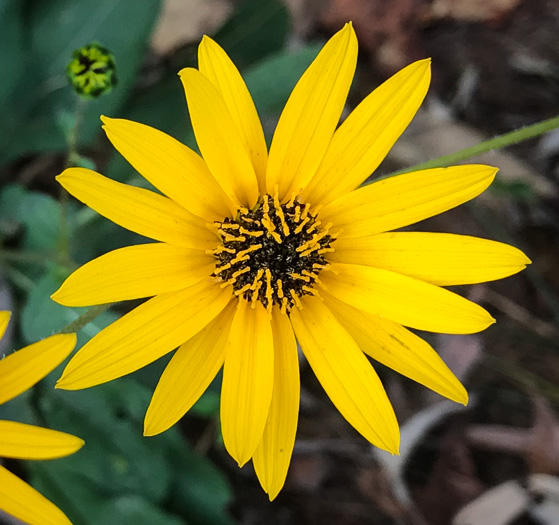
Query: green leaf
point(12, 44)
point(80, 161)
point(11, 198)
point(76, 496)
point(35, 218)
point(117, 462)
point(37, 213)
point(54, 28)
point(40, 215)
point(133, 509)
point(207, 405)
point(519, 190)
point(199, 491)
point(271, 81)
point(93, 235)
point(19, 409)
point(42, 317)
point(256, 30)
point(117, 459)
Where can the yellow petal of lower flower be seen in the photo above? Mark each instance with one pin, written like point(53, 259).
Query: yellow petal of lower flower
point(4, 320)
point(188, 374)
point(20, 370)
point(368, 133)
point(170, 166)
point(399, 349)
point(439, 258)
point(21, 441)
point(139, 210)
point(345, 374)
point(405, 199)
point(405, 300)
point(273, 455)
point(214, 64)
point(248, 380)
point(145, 334)
point(134, 272)
point(218, 139)
point(20, 500)
point(311, 115)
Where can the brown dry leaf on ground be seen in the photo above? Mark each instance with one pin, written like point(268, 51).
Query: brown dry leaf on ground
point(538, 445)
point(452, 481)
point(186, 20)
point(534, 500)
point(389, 30)
point(461, 353)
point(339, 481)
point(471, 10)
point(304, 16)
point(498, 506)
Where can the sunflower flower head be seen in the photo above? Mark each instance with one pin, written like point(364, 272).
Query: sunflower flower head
point(18, 372)
point(273, 253)
point(256, 250)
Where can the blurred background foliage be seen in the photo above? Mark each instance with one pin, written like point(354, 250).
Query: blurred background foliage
point(494, 70)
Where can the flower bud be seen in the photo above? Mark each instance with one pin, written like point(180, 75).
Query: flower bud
point(92, 71)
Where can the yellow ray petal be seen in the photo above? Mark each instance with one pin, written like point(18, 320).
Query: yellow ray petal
point(214, 64)
point(398, 201)
point(170, 166)
point(22, 369)
point(134, 272)
point(311, 115)
point(273, 455)
point(345, 374)
point(405, 300)
point(218, 138)
point(248, 380)
point(188, 374)
point(145, 334)
point(398, 348)
point(368, 133)
point(4, 320)
point(139, 210)
point(20, 500)
point(438, 258)
point(21, 441)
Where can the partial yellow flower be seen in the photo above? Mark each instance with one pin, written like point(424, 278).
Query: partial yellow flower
point(19, 371)
point(257, 250)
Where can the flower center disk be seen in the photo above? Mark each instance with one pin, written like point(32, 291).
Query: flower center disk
point(273, 253)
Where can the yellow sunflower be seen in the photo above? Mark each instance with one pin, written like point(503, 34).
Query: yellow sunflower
point(19, 372)
point(257, 250)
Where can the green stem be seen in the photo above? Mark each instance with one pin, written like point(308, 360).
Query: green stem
point(72, 142)
point(18, 278)
point(63, 230)
point(502, 141)
point(36, 258)
point(84, 319)
point(41, 259)
point(72, 138)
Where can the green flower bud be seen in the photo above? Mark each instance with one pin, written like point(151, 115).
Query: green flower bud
point(92, 71)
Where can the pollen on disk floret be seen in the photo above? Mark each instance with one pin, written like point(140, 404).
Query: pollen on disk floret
point(273, 253)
